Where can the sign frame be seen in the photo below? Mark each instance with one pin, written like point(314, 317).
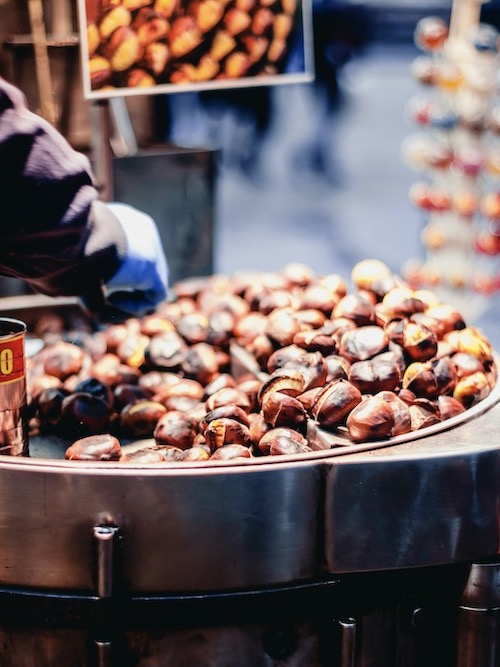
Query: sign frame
point(104, 75)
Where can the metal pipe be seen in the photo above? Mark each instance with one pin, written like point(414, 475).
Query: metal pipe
point(348, 642)
point(478, 624)
point(103, 653)
point(105, 536)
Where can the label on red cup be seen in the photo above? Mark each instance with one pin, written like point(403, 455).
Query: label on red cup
point(12, 366)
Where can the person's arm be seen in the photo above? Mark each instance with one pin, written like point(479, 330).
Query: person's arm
point(56, 234)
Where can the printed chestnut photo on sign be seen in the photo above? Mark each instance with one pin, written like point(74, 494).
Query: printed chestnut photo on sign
point(132, 47)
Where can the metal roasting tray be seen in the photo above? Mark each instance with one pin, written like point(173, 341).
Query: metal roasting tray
point(427, 499)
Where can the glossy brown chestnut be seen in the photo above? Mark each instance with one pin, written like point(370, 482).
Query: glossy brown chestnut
point(230, 452)
point(472, 341)
point(274, 299)
point(419, 377)
point(363, 343)
point(176, 429)
point(371, 419)
point(261, 348)
point(283, 440)
point(334, 402)
point(251, 388)
point(228, 395)
point(284, 380)
point(356, 308)
point(220, 328)
point(220, 381)
point(226, 431)
point(449, 407)
point(279, 409)
point(466, 363)
point(102, 447)
point(447, 318)
point(139, 419)
point(402, 302)
point(63, 359)
point(229, 410)
point(185, 387)
point(193, 327)
point(145, 455)
point(83, 414)
point(200, 363)
point(195, 453)
point(424, 413)
point(372, 275)
point(48, 405)
point(155, 58)
point(132, 349)
point(37, 384)
point(223, 43)
point(282, 446)
point(374, 375)
point(166, 7)
point(166, 351)
point(401, 411)
point(91, 385)
point(319, 297)
point(282, 325)
point(418, 343)
point(258, 427)
point(316, 341)
point(337, 367)
point(282, 356)
point(471, 389)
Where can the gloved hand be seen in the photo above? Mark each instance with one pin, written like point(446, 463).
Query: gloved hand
point(141, 282)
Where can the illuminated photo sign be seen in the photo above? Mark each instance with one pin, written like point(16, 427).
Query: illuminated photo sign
point(132, 47)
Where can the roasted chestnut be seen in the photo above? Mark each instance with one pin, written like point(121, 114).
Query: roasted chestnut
point(48, 405)
point(139, 419)
point(230, 452)
point(229, 411)
point(424, 413)
point(176, 429)
point(334, 402)
point(83, 414)
point(356, 308)
point(63, 359)
point(102, 447)
point(224, 431)
point(279, 409)
point(166, 351)
point(374, 375)
point(371, 419)
point(283, 440)
point(228, 395)
point(363, 343)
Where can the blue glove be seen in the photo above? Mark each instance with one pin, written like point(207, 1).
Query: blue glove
point(141, 282)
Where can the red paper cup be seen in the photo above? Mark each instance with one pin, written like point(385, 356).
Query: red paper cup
point(13, 399)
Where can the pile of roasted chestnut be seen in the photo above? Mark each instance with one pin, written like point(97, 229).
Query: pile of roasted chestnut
point(242, 366)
